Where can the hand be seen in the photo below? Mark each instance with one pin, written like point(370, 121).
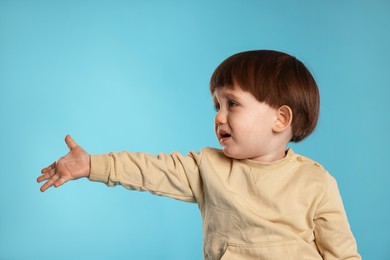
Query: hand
point(74, 165)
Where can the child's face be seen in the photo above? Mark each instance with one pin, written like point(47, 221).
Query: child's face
point(243, 125)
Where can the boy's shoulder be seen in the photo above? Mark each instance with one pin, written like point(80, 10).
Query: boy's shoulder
point(306, 161)
point(310, 168)
point(214, 154)
point(213, 151)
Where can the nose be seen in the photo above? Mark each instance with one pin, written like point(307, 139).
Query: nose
point(220, 117)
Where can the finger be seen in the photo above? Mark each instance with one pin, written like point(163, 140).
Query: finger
point(49, 183)
point(70, 142)
point(60, 182)
point(46, 176)
point(49, 168)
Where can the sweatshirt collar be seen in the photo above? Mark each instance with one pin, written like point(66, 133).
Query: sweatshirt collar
point(289, 155)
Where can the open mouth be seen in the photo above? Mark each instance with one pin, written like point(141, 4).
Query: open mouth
point(223, 136)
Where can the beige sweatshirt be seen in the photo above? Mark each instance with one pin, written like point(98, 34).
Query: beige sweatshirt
point(288, 209)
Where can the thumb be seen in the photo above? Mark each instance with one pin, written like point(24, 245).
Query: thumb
point(70, 142)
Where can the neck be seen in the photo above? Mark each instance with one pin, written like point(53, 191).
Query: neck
point(271, 157)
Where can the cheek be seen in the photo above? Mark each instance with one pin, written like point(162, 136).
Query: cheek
point(244, 126)
point(256, 127)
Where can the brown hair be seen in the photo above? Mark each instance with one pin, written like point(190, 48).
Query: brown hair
point(277, 79)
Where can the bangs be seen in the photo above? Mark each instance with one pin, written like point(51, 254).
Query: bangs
point(234, 70)
point(254, 71)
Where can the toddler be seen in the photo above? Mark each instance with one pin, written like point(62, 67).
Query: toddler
point(258, 199)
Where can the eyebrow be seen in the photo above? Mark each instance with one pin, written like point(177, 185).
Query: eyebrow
point(230, 95)
point(227, 94)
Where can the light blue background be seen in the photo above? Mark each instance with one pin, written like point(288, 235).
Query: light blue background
point(133, 75)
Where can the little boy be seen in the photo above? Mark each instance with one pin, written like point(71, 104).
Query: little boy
point(258, 199)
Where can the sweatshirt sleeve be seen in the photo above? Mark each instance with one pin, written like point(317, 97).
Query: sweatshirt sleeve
point(333, 235)
point(171, 175)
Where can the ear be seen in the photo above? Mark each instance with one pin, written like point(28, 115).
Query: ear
point(284, 117)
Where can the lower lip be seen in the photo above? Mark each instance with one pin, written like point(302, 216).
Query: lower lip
point(224, 140)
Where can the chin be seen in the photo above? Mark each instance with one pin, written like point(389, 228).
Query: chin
point(233, 154)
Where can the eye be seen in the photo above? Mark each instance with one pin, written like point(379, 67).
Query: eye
point(231, 104)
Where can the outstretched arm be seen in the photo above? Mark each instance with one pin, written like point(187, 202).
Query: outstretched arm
point(74, 165)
